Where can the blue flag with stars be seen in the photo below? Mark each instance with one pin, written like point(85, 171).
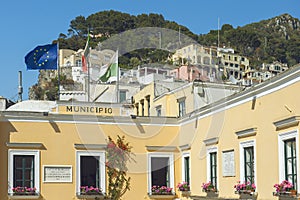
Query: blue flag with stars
point(42, 57)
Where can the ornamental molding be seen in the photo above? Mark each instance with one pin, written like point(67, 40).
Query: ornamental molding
point(90, 146)
point(211, 141)
point(286, 123)
point(162, 148)
point(246, 132)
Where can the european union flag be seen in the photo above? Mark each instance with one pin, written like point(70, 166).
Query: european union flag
point(42, 57)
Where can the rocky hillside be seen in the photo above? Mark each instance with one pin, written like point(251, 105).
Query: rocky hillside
point(275, 39)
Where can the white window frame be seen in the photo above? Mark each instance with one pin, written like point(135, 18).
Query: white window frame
point(36, 154)
point(209, 150)
point(281, 138)
point(181, 107)
point(171, 166)
point(245, 144)
point(184, 155)
point(101, 155)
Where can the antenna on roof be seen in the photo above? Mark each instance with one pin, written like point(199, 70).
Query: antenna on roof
point(179, 39)
point(218, 32)
point(20, 88)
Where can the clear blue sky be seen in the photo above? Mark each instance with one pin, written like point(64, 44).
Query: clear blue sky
point(28, 23)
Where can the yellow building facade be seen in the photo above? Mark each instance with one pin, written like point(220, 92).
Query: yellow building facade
point(249, 136)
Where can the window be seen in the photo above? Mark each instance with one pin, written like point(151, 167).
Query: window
point(143, 108)
point(247, 165)
point(137, 109)
point(106, 58)
point(160, 170)
point(213, 168)
point(90, 169)
point(288, 154)
point(212, 172)
point(78, 63)
point(181, 104)
point(148, 104)
point(122, 96)
point(23, 169)
point(186, 168)
point(290, 161)
point(158, 111)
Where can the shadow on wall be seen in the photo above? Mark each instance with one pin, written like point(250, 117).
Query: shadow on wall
point(5, 129)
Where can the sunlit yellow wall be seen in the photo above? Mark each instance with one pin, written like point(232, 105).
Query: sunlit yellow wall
point(168, 101)
point(146, 92)
point(5, 128)
point(267, 110)
point(59, 138)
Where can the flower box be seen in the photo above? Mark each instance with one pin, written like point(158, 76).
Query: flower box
point(286, 194)
point(24, 193)
point(212, 193)
point(24, 196)
point(90, 196)
point(285, 190)
point(251, 195)
point(161, 196)
point(250, 192)
point(185, 193)
point(90, 192)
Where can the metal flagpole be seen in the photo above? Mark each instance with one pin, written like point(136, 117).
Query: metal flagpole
point(58, 71)
point(117, 84)
point(88, 69)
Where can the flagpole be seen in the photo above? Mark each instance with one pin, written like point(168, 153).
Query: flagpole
point(58, 71)
point(117, 84)
point(88, 70)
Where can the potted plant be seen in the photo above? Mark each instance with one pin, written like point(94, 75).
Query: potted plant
point(184, 188)
point(158, 192)
point(86, 190)
point(208, 187)
point(90, 192)
point(246, 187)
point(284, 188)
point(24, 191)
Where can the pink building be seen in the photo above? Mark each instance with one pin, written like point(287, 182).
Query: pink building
point(191, 73)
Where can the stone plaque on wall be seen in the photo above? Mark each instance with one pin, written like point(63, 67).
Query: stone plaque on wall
point(58, 173)
point(228, 163)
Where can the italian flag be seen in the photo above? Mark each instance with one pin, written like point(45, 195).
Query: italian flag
point(109, 72)
point(84, 57)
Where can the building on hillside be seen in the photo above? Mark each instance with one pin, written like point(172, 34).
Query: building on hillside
point(231, 63)
point(195, 54)
point(73, 60)
point(168, 99)
point(105, 93)
point(196, 72)
point(147, 74)
point(253, 76)
point(275, 68)
point(251, 136)
point(213, 58)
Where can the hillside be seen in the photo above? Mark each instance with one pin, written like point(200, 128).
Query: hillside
point(275, 39)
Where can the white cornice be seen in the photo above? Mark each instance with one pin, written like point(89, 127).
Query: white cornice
point(162, 148)
point(211, 141)
point(285, 123)
point(246, 132)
